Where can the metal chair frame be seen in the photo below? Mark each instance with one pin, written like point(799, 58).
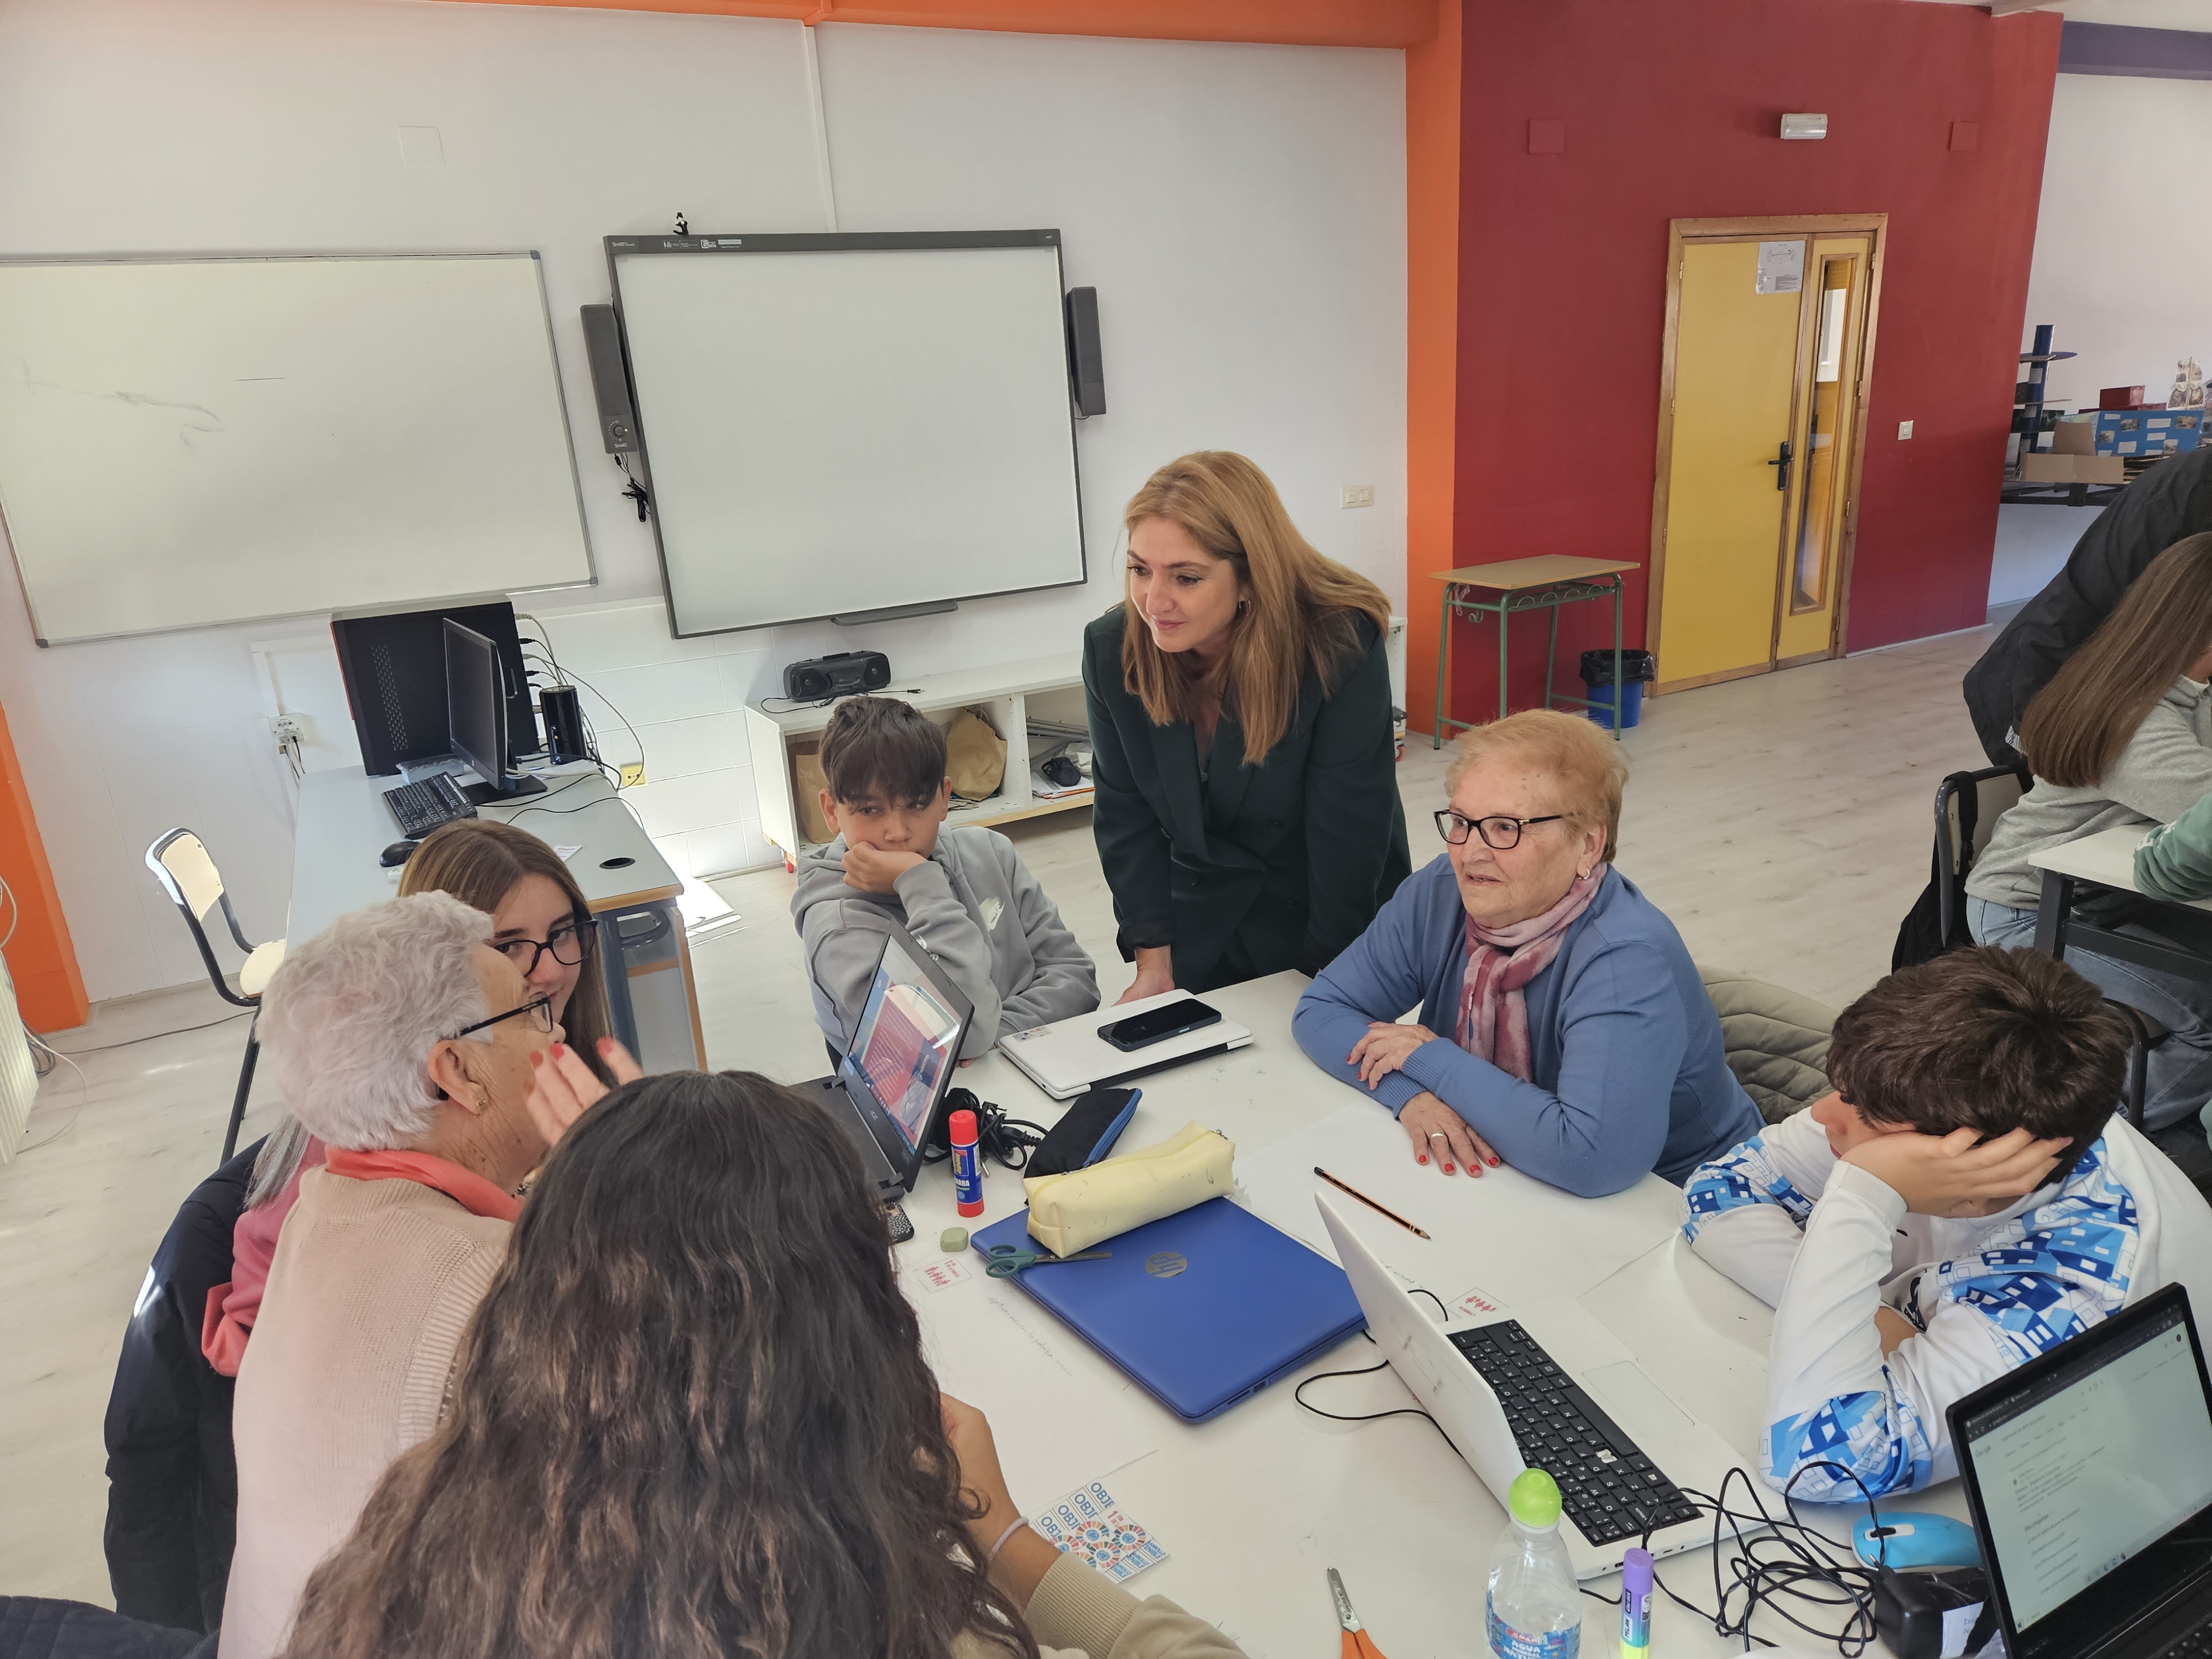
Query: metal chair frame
point(1948, 851)
point(218, 900)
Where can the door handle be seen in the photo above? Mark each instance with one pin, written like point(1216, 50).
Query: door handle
point(1781, 464)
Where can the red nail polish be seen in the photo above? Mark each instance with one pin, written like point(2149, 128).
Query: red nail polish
point(558, 1049)
point(1447, 1169)
point(1421, 1157)
point(1494, 1160)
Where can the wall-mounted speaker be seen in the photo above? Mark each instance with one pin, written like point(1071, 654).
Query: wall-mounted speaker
point(602, 351)
point(1083, 353)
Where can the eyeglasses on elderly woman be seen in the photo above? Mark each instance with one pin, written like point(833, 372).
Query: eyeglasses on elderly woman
point(540, 1010)
point(1499, 834)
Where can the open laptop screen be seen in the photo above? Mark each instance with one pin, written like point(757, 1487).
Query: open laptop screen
point(2092, 1464)
point(905, 1043)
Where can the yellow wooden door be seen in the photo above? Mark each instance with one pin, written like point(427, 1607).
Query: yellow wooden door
point(1835, 273)
point(1736, 357)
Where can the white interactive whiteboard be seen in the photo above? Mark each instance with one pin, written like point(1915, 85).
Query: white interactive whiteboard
point(834, 424)
point(203, 440)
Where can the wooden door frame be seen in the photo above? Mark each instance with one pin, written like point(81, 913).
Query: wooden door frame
point(1809, 227)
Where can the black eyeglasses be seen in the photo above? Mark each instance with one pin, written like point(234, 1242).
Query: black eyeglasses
point(1500, 835)
point(540, 1010)
point(570, 943)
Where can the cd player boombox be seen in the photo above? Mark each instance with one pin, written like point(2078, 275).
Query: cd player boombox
point(841, 676)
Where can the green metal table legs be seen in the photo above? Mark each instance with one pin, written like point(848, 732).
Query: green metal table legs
point(1458, 599)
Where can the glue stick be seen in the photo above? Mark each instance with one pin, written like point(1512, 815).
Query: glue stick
point(967, 1170)
point(1635, 1605)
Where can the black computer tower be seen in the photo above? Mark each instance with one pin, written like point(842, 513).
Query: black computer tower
point(395, 679)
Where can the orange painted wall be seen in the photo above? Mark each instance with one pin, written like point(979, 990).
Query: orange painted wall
point(1282, 22)
point(41, 961)
point(1432, 198)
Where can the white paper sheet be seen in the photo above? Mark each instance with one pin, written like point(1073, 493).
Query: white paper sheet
point(1503, 1229)
point(1061, 1416)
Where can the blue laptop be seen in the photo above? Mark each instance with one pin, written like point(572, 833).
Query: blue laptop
point(1203, 1309)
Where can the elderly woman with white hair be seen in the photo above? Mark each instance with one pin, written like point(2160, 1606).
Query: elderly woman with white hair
point(407, 1044)
point(1563, 1028)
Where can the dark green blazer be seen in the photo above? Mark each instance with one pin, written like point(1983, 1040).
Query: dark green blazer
point(1252, 869)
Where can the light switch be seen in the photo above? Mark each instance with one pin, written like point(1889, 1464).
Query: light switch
point(1359, 495)
point(1904, 429)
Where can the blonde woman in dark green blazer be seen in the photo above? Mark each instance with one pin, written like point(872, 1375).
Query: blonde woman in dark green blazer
point(1247, 808)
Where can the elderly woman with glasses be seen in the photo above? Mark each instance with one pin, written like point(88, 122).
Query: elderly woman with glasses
point(407, 1043)
point(1563, 1028)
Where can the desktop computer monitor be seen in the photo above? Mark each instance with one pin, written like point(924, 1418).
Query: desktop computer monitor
point(475, 716)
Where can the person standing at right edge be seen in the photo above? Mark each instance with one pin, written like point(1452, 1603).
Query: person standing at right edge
point(1247, 807)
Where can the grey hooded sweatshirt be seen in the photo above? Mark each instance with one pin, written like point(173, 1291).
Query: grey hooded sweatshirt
point(2165, 769)
point(974, 906)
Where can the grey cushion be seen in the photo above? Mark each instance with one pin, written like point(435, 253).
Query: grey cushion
point(1776, 1041)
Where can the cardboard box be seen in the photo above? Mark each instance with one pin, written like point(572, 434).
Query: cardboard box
point(2072, 469)
point(2120, 396)
point(2148, 431)
point(2075, 435)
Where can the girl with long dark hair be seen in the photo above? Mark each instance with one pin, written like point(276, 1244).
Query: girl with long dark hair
point(693, 1420)
point(2121, 737)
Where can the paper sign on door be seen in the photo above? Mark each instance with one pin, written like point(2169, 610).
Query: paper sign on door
point(1781, 268)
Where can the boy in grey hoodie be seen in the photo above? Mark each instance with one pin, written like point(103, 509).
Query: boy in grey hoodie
point(964, 894)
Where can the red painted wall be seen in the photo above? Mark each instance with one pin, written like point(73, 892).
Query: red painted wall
point(1671, 109)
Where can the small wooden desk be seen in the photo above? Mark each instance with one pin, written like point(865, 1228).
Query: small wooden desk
point(2106, 859)
point(1544, 583)
point(343, 824)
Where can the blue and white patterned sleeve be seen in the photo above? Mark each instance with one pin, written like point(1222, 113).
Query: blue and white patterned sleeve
point(1835, 1404)
point(1745, 1211)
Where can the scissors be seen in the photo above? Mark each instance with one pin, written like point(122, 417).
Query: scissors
point(1007, 1260)
point(1357, 1643)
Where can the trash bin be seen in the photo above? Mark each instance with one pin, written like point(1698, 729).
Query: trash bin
point(1637, 669)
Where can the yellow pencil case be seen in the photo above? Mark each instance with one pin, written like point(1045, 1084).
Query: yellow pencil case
point(1074, 1210)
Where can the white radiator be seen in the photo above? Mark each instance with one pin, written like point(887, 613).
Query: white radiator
point(18, 1081)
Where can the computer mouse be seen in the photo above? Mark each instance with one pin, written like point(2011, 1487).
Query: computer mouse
point(397, 853)
point(1916, 1538)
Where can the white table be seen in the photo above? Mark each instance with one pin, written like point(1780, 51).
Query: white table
point(2107, 860)
point(1255, 1505)
point(344, 825)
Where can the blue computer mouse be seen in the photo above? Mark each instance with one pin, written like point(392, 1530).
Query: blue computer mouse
point(1917, 1538)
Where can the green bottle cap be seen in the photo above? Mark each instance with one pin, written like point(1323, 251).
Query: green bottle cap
point(1534, 1499)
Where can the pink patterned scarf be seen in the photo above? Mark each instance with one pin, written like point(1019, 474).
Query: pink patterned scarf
point(1493, 1015)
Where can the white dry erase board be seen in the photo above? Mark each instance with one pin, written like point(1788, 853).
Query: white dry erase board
point(194, 440)
point(841, 423)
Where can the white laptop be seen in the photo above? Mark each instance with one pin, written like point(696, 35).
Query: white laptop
point(1068, 1057)
point(1572, 1402)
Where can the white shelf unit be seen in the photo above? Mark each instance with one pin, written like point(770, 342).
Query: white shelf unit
point(1007, 696)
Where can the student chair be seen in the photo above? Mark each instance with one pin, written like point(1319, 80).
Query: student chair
point(2184, 1142)
point(1967, 807)
point(181, 863)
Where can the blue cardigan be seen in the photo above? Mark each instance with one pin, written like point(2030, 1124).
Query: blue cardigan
point(1628, 1071)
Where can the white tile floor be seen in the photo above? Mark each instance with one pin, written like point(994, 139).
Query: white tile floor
point(1783, 821)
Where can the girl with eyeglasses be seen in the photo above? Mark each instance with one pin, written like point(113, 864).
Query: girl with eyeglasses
point(1564, 1028)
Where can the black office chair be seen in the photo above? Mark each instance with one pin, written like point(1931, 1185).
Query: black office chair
point(181, 863)
point(2185, 1142)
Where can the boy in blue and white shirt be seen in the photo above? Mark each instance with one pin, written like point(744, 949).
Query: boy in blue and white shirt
point(1929, 1226)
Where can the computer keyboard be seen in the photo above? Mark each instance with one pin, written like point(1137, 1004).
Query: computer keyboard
point(421, 807)
point(2195, 1644)
point(1610, 1489)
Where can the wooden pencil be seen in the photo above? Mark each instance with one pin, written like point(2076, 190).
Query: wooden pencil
point(1384, 1209)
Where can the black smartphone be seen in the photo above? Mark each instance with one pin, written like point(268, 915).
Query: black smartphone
point(902, 1228)
point(1158, 1025)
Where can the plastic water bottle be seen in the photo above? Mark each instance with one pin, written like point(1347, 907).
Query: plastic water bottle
point(1535, 1610)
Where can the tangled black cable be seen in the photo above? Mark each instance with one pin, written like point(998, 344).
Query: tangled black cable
point(1002, 1138)
point(1809, 1567)
point(1298, 1393)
